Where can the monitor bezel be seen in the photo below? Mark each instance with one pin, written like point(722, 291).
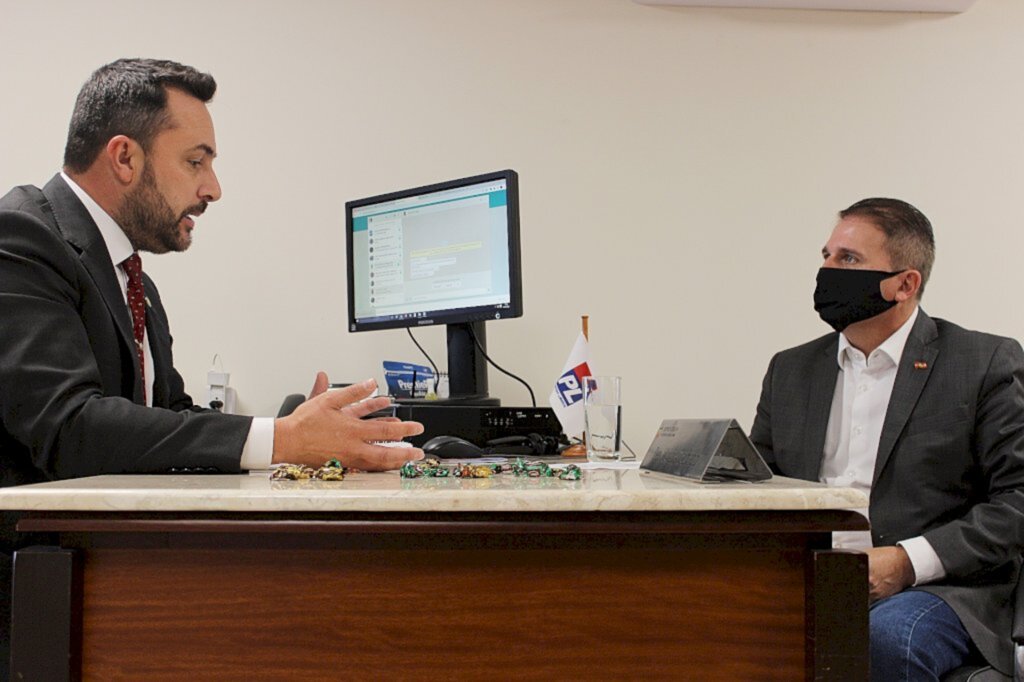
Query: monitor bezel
point(461, 315)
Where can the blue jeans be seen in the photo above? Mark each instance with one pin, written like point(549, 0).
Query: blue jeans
point(916, 636)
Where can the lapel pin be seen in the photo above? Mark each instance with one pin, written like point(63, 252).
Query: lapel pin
point(920, 364)
point(148, 304)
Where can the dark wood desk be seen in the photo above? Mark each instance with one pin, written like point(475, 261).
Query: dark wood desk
point(730, 594)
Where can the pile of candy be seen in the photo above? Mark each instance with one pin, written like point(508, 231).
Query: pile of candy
point(330, 471)
point(432, 468)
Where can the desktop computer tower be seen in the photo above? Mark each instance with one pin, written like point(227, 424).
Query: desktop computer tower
point(478, 423)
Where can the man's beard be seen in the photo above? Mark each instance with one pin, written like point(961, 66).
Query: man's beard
point(149, 222)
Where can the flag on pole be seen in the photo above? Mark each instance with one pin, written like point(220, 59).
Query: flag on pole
point(567, 397)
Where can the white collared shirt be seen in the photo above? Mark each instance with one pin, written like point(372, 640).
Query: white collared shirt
point(259, 446)
point(859, 405)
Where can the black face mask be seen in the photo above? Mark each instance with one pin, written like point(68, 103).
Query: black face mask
point(844, 296)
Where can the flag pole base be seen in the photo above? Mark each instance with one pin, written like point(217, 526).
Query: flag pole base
point(578, 450)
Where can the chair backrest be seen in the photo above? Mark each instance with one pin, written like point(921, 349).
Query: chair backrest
point(1018, 628)
point(290, 403)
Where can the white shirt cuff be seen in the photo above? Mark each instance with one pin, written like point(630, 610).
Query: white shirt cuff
point(927, 567)
point(258, 452)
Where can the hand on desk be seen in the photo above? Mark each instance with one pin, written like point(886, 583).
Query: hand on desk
point(889, 571)
point(330, 424)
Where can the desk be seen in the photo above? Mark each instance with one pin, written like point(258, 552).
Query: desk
point(618, 575)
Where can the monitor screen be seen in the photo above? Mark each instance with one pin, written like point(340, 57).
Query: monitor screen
point(440, 254)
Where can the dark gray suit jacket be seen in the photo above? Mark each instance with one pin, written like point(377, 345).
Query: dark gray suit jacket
point(70, 390)
point(950, 461)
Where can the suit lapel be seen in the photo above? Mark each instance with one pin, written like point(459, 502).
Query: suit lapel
point(78, 228)
point(915, 367)
point(824, 372)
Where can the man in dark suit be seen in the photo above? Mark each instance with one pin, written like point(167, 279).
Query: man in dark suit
point(87, 381)
point(926, 417)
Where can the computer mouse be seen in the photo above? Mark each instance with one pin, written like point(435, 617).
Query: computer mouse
point(451, 447)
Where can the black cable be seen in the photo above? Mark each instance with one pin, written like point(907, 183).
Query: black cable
point(495, 365)
point(437, 375)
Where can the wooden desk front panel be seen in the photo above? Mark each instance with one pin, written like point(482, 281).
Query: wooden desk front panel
point(611, 611)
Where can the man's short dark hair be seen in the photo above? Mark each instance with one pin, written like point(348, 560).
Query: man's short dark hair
point(128, 97)
point(909, 241)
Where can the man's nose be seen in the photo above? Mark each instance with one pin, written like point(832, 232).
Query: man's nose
point(210, 189)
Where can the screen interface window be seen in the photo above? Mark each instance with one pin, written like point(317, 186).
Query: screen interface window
point(431, 253)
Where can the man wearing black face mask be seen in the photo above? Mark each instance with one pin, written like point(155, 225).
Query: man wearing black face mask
point(926, 417)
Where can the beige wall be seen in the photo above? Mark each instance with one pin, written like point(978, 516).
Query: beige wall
point(679, 170)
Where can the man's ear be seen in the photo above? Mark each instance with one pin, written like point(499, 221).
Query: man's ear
point(910, 284)
point(125, 158)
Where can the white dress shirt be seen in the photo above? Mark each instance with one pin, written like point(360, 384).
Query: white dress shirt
point(259, 446)
point(859, 405)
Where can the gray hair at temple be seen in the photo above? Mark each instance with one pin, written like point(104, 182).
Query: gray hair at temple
point(128, 97)
point(909, 241)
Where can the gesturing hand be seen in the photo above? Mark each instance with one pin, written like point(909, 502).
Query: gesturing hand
point(330, 424)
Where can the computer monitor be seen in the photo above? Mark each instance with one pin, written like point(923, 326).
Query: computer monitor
point(446, 253)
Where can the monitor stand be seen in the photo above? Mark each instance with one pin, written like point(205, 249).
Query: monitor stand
point(467, 369)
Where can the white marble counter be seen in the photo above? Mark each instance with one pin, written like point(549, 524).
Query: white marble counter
point(598, 490)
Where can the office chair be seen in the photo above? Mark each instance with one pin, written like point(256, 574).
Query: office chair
point(984, 672)
point(290, 403)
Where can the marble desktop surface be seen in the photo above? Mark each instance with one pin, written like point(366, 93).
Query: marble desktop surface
point(598, 490)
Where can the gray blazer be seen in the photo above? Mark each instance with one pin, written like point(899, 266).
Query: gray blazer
point(950, 460)
point(69, 381)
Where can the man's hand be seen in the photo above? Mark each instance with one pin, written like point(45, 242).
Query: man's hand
point(330, 424)
point(889, 571)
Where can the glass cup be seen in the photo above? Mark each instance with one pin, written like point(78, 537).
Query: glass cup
point(602, 407)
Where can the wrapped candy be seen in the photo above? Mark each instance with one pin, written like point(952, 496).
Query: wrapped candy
point(292, 472)
point(332, 470)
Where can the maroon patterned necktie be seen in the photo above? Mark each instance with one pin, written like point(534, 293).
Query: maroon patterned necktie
point(137, 304)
